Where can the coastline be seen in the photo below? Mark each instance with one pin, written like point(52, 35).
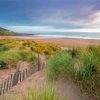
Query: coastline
point(69, 42)
point(62, 42)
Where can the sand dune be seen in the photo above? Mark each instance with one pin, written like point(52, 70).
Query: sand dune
point(63, 42)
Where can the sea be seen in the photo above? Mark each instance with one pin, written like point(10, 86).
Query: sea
point(76, 35)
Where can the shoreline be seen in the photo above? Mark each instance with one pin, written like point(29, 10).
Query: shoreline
point(30, 36)
point(62, 42)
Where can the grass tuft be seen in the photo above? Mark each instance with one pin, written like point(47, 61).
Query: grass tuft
point(59, 65)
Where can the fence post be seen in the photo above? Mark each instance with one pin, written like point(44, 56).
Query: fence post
point(38, 62)
point(11, 80)
point(16, 75)
point(1, 89)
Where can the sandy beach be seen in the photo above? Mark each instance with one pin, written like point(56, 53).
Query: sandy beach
point(71, 42)
point(62, 42)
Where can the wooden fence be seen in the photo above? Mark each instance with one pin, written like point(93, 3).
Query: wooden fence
point(18, 76)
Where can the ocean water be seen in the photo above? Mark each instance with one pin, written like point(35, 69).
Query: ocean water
point(81, 35)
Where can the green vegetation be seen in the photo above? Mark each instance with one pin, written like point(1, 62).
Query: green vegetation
point(12, 51)
point(60, 64)
point(81, 64)
point(9, 58)
point(5, 32)
point(41, 47)
point(88, 73)
point(45, 93)
point(4, 47)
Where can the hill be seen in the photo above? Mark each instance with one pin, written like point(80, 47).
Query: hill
point(4, 31)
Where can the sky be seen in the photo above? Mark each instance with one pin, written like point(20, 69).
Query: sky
point(50, 15)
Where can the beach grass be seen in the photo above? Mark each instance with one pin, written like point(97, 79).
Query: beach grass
point(45, 92)
point(12, 51)
point(81, 64)
point(59, 65)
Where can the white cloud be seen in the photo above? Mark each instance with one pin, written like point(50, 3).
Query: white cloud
point(91, 20)
point(49, 29)
point(28, 28)
point(96, 18)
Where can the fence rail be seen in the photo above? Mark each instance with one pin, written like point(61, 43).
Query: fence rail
point(18, 76)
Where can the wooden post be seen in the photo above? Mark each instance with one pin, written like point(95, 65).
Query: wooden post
point(11, 78)
point(4, 86)
point(23, 74)
point(38, 62)
point(20, 76)
point(26, 73)
point(16, 75)
point(7, 84)
point(18, 66)
point(1, 85)
point(0, 89)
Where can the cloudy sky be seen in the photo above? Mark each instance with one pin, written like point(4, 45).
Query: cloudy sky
point(50, 15)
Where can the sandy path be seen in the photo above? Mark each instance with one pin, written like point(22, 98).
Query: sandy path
point(64, 88)
point(4, 73)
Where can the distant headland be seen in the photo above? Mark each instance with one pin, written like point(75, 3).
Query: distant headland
point(6, 32)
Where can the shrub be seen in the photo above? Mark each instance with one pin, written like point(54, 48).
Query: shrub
point(2, 65)
point(5, 47)
point(27, 55)
point(59, 65)
point(74, 52)
point(9, 58)
point(44, 48)
point(87, 65)
point(88, 73)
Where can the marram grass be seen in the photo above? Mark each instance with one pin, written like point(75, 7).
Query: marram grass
point(47, 92)
point(60, 65)
point(81, 63)
point(12, 51)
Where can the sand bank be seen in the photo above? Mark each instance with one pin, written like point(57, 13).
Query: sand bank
point(63, 42)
